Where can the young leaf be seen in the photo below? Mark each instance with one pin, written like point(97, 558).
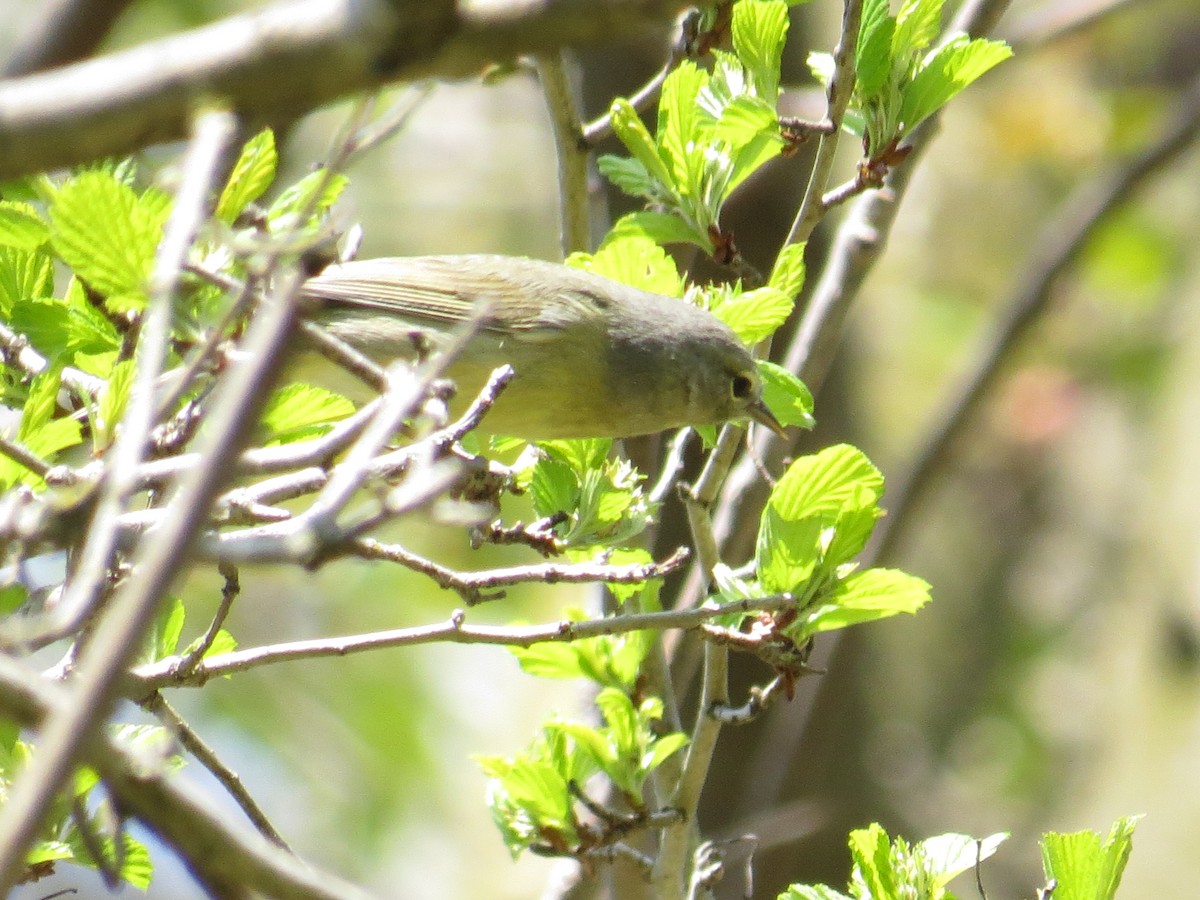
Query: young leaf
point(787, 276)
point(1083, 866)
point(785, 395)
point(24, 275)
point(917, 25)
point(787, 551)
point(298, 411)
point(822, 483)
point(865, 597)
point(754, 315)
point(113, 400)
point(949, 855)
point(636, 261)
point(759, 31)
point(871, 851)
point(661, 228)
point(945, 72)
point(102, 231)
point(251, 176)
point(630, 175)
point(21, 227)
point(633, 134)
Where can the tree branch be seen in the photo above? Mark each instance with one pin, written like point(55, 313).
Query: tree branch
point(281, 62)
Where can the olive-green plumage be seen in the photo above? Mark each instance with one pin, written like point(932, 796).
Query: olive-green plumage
point(593, 358)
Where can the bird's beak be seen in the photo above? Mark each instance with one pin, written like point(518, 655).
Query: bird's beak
point(759, 413)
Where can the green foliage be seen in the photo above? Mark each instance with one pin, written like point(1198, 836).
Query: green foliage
point(885, 869)
point(899, 80)
point(107, 233)
point(817, 519)
point(601, 500)
point(252, 174)
point(633, 258)
point(299, 412)
point(534, 796)
point(1085, 868)
point(1078, 865)
point(611, 660)
point(714, 130)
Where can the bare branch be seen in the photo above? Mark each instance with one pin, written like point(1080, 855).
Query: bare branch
point(157, 705)
point(168, 672)
point(841, 86)
point(280, 62)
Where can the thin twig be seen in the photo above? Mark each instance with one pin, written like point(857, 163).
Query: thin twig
point(228, 594)
point(841, 87)
point(158, 706)
point(167, 672)
point(23, 456)
point(478, 587)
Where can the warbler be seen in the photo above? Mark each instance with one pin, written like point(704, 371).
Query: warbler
point(592, 357)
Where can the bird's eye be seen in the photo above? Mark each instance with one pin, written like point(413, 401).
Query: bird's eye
point(742, 387)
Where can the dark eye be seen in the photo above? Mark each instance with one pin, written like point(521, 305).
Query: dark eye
point(742, 387)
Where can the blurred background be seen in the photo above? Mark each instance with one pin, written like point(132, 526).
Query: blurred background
point(1052, 684)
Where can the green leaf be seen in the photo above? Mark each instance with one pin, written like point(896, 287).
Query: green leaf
point(851, 529)
point(874, 14)
point(312, 195)
point(251, 176)
point(630, 175)
point(40, 404)
point(222, 642)
point(873, 60)
point(40, 432)
point(24, 275)
point(822, 483)
point(787, 276)
point(945, 72)
point(785, 395)
point(21, 227)
point(864, 597)
point(679, 126)
point(105, 234)
point(59, 329)
point(580, 455)
point(1084, 868)
point(812, 892)
point(787, 551)
point(917, 26)
point(746, 119)
point(636, 261)
point(822, 66)
point(871, 851)
point(113, 400)
point(554, 488)
point(661, 228)
point(629, 127)
point(12, 597)
point(298, 411)
point(168, 627)
point(754, 315)
point(759, 31)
